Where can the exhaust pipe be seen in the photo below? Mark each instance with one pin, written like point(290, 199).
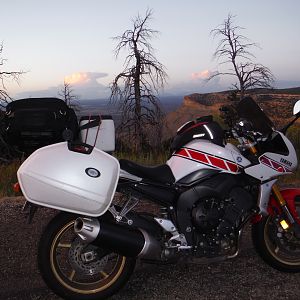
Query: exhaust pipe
point(87, 229)
point(117, 238)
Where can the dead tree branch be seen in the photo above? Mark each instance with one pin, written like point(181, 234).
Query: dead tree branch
point(236, 50)
point(136, 87)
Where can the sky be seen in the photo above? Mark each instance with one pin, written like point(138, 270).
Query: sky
point(71, 40)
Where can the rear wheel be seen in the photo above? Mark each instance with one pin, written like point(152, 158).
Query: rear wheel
point(75, 270)
point(279, 248)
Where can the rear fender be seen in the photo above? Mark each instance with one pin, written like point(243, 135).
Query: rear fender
point(289, 196)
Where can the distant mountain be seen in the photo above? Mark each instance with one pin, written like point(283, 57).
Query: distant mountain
point(104, 106)
point(277, 103)
point(260, 95)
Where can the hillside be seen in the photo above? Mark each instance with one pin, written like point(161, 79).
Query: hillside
point(277, 103)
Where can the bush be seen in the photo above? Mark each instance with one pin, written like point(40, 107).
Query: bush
point(8, 177)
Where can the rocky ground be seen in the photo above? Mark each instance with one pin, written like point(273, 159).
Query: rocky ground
point(245, 277)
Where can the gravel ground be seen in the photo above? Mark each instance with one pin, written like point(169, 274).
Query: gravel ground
point(245, 277)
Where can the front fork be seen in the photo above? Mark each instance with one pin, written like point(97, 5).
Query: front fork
point(288, 222)
point(282, 203)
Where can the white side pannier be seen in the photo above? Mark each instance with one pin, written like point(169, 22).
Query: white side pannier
point(70, 180)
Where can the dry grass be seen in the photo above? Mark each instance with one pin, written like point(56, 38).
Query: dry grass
point(145, 158)
point(8, 177)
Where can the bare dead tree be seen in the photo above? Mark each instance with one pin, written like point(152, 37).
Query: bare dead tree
point(6, 151)
point(235, 49)
point(5, 76)
point(137, 86)
point(67, 93)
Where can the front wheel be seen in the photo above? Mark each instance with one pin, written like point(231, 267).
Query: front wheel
point(75, 270)
point(279, 248)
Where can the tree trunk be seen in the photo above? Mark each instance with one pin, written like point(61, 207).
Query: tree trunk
point(137, 94)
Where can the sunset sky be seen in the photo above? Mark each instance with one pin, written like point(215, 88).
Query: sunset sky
point(70, 39)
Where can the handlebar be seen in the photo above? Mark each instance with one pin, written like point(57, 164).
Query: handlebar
point(243, 132)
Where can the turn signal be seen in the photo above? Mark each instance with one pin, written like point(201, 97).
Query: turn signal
point(284, 224)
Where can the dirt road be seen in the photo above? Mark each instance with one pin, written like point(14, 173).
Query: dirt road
point(245, 277)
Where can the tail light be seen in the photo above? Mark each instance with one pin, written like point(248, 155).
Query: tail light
point(17, 188)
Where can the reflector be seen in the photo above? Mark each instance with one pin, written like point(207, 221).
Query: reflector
point(284, 224)
point(16, 187)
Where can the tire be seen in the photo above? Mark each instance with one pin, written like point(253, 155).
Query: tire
point(281, 250)
point(64, 271)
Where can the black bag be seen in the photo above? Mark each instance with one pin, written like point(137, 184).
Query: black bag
point(201, 128)
point(36, 122)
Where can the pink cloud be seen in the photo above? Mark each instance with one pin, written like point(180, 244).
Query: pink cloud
point(84, 78)
point(201, 75)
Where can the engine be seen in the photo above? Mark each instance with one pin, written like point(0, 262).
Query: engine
point(217, 221)
point(207, 214)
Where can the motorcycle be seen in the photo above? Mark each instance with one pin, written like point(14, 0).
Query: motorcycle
point(207, 192)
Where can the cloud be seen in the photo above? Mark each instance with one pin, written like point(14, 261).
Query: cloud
point(84, 78)
point(203, 75)
point(85, 85)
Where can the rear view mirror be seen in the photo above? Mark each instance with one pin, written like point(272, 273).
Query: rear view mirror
point(296, 109)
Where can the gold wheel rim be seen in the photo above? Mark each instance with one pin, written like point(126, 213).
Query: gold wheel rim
point(274, 250)
point(106, 282)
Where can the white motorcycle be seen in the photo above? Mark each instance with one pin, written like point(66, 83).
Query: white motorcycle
point(207, 191)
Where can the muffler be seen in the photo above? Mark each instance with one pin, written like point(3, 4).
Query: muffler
point(117, 238)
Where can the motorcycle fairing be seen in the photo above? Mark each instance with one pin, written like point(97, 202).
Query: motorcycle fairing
point(273, 164)
point(264, 196)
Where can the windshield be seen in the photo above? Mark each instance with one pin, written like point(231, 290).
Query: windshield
point(248, 109)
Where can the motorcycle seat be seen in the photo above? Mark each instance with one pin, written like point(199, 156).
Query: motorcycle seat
point(161, 173)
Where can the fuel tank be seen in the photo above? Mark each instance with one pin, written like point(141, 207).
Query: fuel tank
point(204, 154)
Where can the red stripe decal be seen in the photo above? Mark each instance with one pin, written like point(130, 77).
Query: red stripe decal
point(264, 160)
point(277, 167)
point(182, 152)
point(233, 167)
point(274, 165)
point(217, 162)
point(198, 156)
point(208, 160)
